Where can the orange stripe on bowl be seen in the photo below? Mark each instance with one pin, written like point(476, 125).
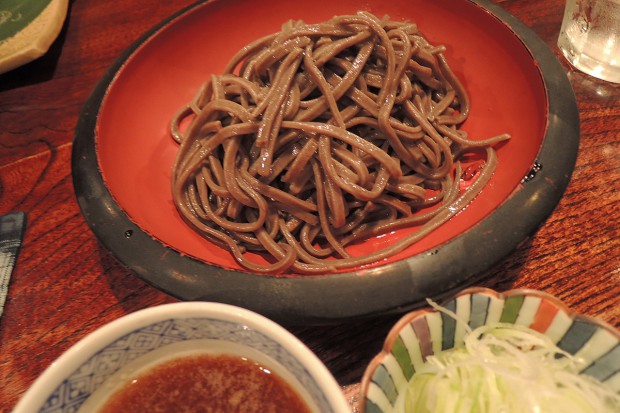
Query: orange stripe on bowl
point(545, 315)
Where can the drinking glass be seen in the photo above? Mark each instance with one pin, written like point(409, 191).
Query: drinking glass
point(590, 37)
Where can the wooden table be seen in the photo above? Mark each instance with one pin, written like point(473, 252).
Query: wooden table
point(65, 285)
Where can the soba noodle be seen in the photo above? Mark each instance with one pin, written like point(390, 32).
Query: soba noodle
point(323, 135)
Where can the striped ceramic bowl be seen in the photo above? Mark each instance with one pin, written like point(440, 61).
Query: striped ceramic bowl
point(426, 331)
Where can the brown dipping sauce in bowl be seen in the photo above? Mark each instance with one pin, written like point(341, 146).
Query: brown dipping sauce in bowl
point(202, 376)
point(206, 383)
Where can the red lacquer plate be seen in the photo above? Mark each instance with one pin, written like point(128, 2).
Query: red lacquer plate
point(123, 156)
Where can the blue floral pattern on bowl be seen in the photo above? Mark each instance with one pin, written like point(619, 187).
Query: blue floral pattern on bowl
point(77, 388)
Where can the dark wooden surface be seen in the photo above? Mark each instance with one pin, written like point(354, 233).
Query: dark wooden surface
point(65, 285)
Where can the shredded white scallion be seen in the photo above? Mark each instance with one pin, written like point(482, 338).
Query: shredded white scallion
point(505, 368)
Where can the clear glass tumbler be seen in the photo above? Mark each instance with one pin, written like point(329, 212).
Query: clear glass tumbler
point(590, 37)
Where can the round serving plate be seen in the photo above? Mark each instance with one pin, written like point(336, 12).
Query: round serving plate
point(123, 154)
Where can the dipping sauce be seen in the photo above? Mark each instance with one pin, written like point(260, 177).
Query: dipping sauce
point(206, 383)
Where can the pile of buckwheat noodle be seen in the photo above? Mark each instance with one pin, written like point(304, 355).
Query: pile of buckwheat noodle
point(322, 135)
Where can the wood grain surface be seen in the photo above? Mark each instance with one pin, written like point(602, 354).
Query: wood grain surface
point(65, 285)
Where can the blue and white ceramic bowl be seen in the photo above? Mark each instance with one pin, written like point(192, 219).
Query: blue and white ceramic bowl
point(425, 332)
point(92, 368)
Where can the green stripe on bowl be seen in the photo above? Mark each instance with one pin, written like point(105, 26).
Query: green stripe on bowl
point(16, 15)
point(401, 355)
point(395, 371)
point(512, 306)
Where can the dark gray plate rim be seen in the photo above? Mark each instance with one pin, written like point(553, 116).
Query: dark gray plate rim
point(393, 288)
